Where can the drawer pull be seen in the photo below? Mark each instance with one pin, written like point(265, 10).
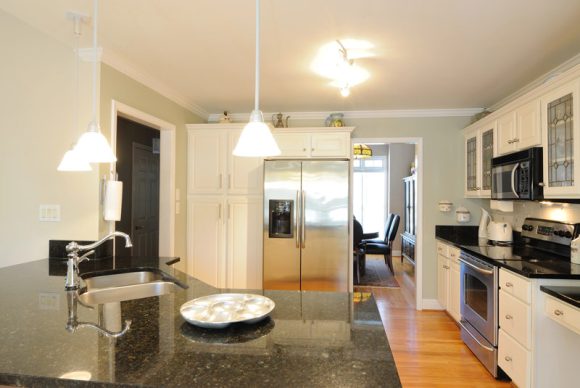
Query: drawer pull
point(507, 316)
point(508, 284)
point(508, 358)
point(558, 312)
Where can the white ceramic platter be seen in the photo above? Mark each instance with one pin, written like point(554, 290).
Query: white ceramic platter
point(220, 310)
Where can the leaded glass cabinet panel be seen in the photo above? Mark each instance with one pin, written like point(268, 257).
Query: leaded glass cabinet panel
point(471, 163)
point(486, 156)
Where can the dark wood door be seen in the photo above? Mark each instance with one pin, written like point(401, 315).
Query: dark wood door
point(145, 200)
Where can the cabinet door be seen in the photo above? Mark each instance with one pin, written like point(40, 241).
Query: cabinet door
point(244, 174)
point(487, 152)
point(206, 162)
point(454, 291)
point(506, 133)
point(561, 141)
point(244, 256)
point(471, 165)
point(442, 281)
point(528, 127)
point(205, 239)
point(293, 145)
point(330, 145)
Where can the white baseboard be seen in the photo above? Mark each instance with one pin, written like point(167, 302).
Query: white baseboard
point(431, 304)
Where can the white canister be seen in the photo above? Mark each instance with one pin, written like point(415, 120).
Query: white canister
point(462, 215)
point(575, 251)
point(445, 206)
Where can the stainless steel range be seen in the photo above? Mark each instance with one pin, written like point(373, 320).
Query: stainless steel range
point(544, 248)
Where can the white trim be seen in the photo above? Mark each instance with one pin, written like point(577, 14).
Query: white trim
point(569, 64)
point(418, 141)
point(166, 170)
point(123, 66)
point(361, 114)
point(431, 304)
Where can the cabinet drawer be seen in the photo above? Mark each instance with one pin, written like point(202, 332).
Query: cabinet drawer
point(443, 249)
point(563, 313)
point(514, 360)
point(515, 318)
point(454, 254)
point(515, 285)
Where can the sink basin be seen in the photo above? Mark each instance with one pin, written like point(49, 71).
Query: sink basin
point(121, 286)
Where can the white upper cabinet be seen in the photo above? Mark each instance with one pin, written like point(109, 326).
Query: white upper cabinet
point(519, 129)
point(314, 142)
point(480, 148)
point(213, 169)
point(561, 141)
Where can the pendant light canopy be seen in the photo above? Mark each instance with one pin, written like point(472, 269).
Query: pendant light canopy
point(256, 138)
point(362, 151)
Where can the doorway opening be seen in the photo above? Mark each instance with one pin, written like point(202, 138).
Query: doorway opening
point(138, 167)
point(385, 185)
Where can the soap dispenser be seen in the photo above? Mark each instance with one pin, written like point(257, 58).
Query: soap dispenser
point(575, 251)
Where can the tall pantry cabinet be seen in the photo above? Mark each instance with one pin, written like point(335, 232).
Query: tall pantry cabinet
point(224, 209)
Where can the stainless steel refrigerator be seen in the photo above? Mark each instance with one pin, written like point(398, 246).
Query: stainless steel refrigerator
point(306, 225)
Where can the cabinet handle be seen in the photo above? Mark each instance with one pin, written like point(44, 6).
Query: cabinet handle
point(508, 358)
point(446, 266)
point(516, 140)
point(507, 316)
point(510, 141)
point(304, 149)
point(312, 149)
point(508, 284)
point(558, 312)
point(229, 210)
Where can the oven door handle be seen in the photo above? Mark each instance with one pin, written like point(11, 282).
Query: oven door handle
point(514, 180)
point(484, 271)
point(489, 349)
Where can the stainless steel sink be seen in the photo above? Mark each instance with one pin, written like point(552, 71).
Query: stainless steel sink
point(120, 286)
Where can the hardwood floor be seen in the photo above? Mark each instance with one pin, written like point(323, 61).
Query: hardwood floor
point(426, 345)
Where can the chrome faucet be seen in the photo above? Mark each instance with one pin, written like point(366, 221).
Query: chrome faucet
point(73, 248)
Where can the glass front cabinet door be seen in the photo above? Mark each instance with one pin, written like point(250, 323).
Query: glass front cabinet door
point(480, 148)
point(561, 141)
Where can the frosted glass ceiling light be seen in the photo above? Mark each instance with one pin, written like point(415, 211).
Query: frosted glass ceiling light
point(256, 138)
point(93, 145)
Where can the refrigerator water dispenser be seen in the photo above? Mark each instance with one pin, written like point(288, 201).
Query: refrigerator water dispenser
point(281, 218)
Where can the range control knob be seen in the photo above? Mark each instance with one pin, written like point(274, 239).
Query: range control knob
point(560, 233)
point(527, 227)
point(567, 234)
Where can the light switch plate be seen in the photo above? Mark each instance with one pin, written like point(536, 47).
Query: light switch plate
point(49, 213)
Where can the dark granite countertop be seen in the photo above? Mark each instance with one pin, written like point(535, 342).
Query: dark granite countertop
point(569, 294)
point(311, 339)
point(547, 266)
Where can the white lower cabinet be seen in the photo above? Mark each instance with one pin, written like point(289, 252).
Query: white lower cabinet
point(225, 241)
point(448, 279)
point(534, 350)
point(442, 280)
point(454, 290)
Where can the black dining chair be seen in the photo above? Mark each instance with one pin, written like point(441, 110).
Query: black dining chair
point(384, 247)
point(358, 250)
point(375, 239)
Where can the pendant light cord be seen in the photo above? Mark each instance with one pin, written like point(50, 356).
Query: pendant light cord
point(95, 19)
point(257, 94)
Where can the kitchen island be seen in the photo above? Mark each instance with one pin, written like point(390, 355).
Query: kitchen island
point(311, 338)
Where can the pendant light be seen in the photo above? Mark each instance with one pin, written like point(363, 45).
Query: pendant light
point(72, 160)
point(256, 138)
point(92, 144)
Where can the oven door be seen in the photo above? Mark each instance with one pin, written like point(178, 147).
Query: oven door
point(479, 296)
point(504, 181)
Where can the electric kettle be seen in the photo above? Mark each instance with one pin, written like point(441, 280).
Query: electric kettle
point(499, 231)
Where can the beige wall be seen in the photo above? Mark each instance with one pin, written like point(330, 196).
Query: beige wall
point(119, 87)
point(37, 127)
point(443, 173)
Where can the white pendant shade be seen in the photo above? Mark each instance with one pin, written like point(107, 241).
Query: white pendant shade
point(256, 140)
point(72, 161)
point(94, 147)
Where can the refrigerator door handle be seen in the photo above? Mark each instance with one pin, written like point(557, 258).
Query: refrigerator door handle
point(296, 220)
point(303, 216)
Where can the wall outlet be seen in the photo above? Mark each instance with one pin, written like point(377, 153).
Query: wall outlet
point(49, 213)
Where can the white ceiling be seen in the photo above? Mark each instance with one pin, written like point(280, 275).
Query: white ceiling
point(443, 54)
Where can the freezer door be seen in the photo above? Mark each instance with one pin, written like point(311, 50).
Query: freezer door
point(324, 237)
point(282, 190)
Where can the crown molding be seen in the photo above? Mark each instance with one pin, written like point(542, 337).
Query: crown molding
point(115, 61)
point(544, 78)
point(361, 114)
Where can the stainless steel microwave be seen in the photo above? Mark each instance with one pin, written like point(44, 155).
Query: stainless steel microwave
point(518, 175)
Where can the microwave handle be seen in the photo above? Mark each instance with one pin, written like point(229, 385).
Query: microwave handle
point(514, 180)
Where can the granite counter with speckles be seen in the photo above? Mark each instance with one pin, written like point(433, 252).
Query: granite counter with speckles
point(312, 339)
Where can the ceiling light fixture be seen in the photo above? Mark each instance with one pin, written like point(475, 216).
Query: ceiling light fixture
point(92, 144)
point(256, 138)
point(362, 151)
point(72, 160)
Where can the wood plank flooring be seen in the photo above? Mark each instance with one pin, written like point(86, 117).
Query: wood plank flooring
point(426, 345)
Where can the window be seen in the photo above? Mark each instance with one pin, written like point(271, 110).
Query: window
point(369, 193)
